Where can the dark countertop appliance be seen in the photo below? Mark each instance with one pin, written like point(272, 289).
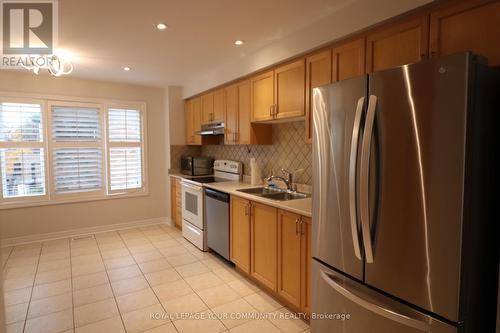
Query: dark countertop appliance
point(196, 165)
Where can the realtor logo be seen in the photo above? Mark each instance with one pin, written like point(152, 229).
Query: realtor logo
point(28, 27)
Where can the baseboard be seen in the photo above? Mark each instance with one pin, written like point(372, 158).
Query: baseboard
point(84, 231)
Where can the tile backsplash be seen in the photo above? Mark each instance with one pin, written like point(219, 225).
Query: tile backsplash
point(289, 151)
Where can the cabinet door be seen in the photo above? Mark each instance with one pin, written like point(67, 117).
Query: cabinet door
point(305, 230)
point(207, 108)
point(472, 25)
point(188, 109)
point(240, 233)
point(290, 88)
point(318, 73)
point(231, 121)
point(398, 44)
point(219, 105)
point(263, 245)
point(173, 200)
point(289, 257)
point(178, 204)
point(348, 60)
point(196, 120)
point(263, 96)
point(243, 134)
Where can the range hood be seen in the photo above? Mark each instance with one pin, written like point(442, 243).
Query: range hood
point(212, 129)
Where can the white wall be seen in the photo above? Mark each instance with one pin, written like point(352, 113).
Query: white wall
point(354, 16)
point(57, 218)
point(176, 112)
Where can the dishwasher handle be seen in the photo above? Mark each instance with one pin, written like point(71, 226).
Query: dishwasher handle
point(221, 196)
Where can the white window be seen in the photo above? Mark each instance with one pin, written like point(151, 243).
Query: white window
point(65, 151)
point(77, 147)
point(125, 149)
point(22, 153)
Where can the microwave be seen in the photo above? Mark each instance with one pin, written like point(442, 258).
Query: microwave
point(196, 166)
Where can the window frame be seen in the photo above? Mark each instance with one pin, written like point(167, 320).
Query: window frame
point(51, 198)
point(53, 145)
point(28, 144)
point(109, 144)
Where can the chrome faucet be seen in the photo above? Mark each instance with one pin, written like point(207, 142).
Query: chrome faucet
point(288, 180)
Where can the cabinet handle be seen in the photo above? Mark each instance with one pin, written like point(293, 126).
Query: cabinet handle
point(276, 110)
point(271, 114)
point(297, 226)
point(302, 232)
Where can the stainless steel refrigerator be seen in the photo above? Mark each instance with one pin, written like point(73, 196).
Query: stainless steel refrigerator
point(403, 235)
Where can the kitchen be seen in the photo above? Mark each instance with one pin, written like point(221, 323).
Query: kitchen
point(335, 179)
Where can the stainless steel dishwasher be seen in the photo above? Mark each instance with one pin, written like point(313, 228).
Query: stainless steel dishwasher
point(217, 221)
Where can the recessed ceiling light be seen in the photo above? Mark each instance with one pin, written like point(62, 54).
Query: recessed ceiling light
point(161, 26)
point(127, 69)
point(238, 42)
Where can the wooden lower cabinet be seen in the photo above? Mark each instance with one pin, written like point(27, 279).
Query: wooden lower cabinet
point(175, 202)
point(263, 247)
point(289, 257)
point(273, 246)
point(306, 231)
point(239, 252)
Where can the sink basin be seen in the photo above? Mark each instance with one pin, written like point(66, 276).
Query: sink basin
point(283, 196)
point(259, 190)
point(274, 194)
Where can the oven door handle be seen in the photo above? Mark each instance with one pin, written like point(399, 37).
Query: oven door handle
point(191, 187)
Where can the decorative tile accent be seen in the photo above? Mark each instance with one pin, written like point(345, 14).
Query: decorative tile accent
point(289, 151)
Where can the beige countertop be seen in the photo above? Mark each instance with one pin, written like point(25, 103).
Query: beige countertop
point(298, 206)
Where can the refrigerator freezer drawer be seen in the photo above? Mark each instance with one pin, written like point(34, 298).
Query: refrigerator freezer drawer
point(342, 305)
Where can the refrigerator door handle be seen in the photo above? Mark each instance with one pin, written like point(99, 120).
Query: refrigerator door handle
point(352, 176)
point(378, 308)
point(364, 178)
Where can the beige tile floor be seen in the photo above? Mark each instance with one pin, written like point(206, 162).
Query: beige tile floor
point(146, 279)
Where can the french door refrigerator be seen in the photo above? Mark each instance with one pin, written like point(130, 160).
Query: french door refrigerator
point(403, 239)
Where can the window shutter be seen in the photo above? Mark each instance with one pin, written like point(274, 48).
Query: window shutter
point(23, 172)
point(22, 157)
point(75, 124)
point(125, 168)
point(124, 125)
point(77, 151)
point(20, 122)
point(125, 149)
point(77, 169)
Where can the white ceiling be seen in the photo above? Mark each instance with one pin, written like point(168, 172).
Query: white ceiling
point(197, 50)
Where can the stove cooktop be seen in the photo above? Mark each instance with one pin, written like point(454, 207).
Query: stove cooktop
point(208, 179)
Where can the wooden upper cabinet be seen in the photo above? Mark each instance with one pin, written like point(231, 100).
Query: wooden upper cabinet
point(219, 105)
point(263, 247)
point(348, 60)
point(240, 233)
point(196, 109)
point(397, 44)
point(472, 25)
point(207, 108)
point(231, 118)
point(289, 89)
point(262, 105)
point(189, 121)
point(289, 257)
point(318, 73)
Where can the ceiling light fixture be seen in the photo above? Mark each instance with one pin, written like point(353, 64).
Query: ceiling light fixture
point(238, 42)
point(127, 69)
point(161, 26)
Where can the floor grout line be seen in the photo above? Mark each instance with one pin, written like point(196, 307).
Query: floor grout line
point(121, 239)
point(111, 286)
point(144, 276)
point(32, 287)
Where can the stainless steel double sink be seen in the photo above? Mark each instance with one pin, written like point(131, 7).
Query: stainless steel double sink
point(274, 193)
